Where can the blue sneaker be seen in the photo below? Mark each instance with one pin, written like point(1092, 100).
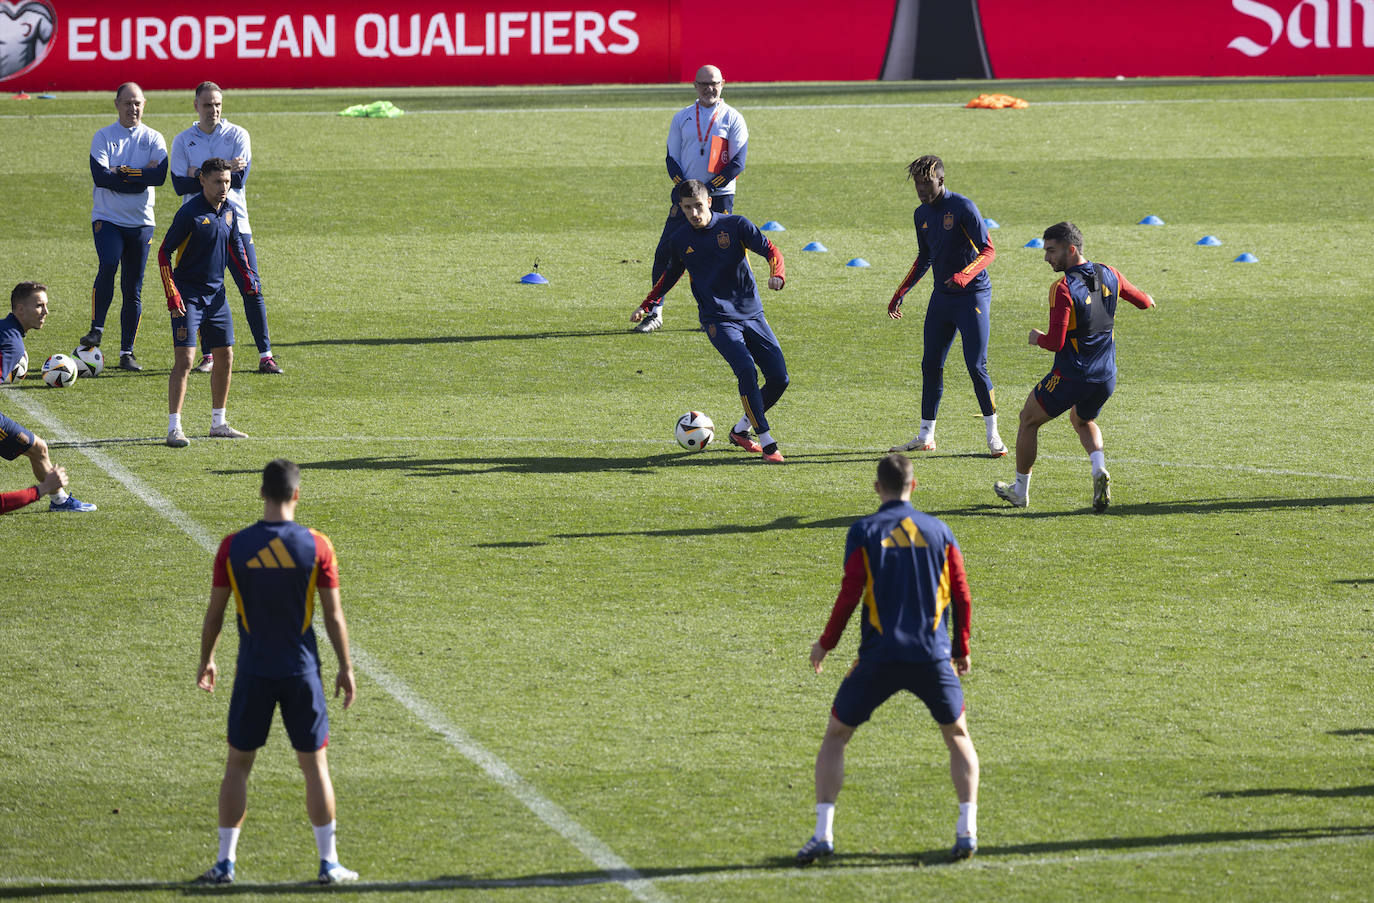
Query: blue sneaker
point(221, 873)
point(71, 504)
point(964, 848)
point(814, 849)
point(333, 873)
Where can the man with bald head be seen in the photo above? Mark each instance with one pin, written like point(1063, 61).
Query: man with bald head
point(708, 142)
point(128, 160)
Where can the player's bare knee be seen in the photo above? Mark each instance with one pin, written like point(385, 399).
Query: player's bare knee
point(38, 452)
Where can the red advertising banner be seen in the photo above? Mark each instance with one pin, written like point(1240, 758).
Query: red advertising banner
point(85, 44)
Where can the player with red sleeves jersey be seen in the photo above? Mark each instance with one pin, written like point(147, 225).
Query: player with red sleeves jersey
point(952, 240)
point(710, 247)
point(1082, 335)
point(906, 569)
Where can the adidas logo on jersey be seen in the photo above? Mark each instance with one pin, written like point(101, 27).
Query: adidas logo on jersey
point(272, 555)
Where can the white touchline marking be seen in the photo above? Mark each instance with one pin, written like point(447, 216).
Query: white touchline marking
point(982, 862)
point(547, 811)
point(579, 111)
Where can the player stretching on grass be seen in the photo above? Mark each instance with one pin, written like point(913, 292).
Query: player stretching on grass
point(710, 247)
point(273, 570)
point(1082, 315)
point(909, 573)
point(953, 240)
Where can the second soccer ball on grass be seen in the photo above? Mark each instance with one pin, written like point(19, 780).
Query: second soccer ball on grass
point(694, 431)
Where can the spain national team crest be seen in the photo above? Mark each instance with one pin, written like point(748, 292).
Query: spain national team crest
point(229, 218)
point(181, 333)
point(949, 220)
point(27, 29)
point(723, 240)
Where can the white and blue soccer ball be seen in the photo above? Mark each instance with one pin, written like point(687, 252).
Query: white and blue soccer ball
point(89, 361)
point(59, 371)
point(694, 431)
point(18, 372)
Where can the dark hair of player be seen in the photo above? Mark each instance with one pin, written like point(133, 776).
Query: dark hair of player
point(693, 188)
point(24, 290)
point(1067, 233)
point(214, 164)
point(927, 167)
point(894, 473)
point(280, 480)
point(206, 86)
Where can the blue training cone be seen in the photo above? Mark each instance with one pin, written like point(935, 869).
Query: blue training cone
point(1151, 220)
point(773, 226)
point(815, 246)
point(1247, 257)
point(1210, 241)
point(991, 223)
point(533, 279)
point(857, 262)
point(1034, 243)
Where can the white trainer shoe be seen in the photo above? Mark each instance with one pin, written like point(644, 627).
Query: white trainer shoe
point(1102, 491)
point(916, 444)
point(1007, 492)
point(177, 439)
point(225, 431)
point(995, 447)
point(334, 873)
point(652, 320)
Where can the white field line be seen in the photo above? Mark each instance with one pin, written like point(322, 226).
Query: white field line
point(834, 870)
point(579, 111)
point(547, 811)
point(85, 444)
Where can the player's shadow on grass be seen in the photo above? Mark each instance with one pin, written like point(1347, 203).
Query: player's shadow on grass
point(1353, 732)
point(786, 522)
point(1182, 506)
point(463, 339)
point(1314, 792)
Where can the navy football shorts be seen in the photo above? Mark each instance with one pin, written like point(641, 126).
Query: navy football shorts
point(302, 711)
point(210, 317)
point(1057, 394)
point(14, 439)
point(868, 686)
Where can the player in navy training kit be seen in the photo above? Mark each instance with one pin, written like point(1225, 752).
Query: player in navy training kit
point(1082, 336)
point(907, 570)
point(952, 239)
point(273, 570)
point(29, 310)
point(711, 247)
point(205, 237)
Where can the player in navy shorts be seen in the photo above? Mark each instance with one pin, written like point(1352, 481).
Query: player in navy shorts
point(907, 570)
point(710, 247)
point(205, 237)
point(28, 310)
point(273, 571)
point(1082, 336)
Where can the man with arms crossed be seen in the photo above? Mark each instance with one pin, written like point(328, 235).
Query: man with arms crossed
point(908, 571)
point(213, 136)
point(273, 570)
point(1082, 336)
point(128, 160)
point(707, 141)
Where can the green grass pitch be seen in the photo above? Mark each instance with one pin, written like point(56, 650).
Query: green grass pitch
point(583, 651)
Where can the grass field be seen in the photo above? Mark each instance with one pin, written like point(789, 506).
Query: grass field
point(582, 651)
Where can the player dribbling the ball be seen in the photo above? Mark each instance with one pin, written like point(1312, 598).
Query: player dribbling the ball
point(710, 247)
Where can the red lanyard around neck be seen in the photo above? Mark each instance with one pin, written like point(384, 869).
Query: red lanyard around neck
point(701, 140)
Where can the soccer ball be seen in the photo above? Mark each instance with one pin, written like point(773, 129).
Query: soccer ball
point(694, 431)
point(59, 370)
point(89, 361)
point(19, 370)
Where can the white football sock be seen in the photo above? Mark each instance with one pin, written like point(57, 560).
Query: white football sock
point(990, 421)
point(217, 417)
point(927, 430)
point(174, 421)
point(324, 841)
point(1099, 461)
point(228, 844)
point(825, 821)
point(264, 355)
point(1022, 483)
point(60, 496)
point(766, 439)
point(968, 820)
point(743, 425)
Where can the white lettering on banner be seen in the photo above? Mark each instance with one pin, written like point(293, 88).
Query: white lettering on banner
point(148, 37)
point(554, 33)
point(1320, 36)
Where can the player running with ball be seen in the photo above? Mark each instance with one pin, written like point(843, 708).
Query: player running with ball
point(710, 247)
